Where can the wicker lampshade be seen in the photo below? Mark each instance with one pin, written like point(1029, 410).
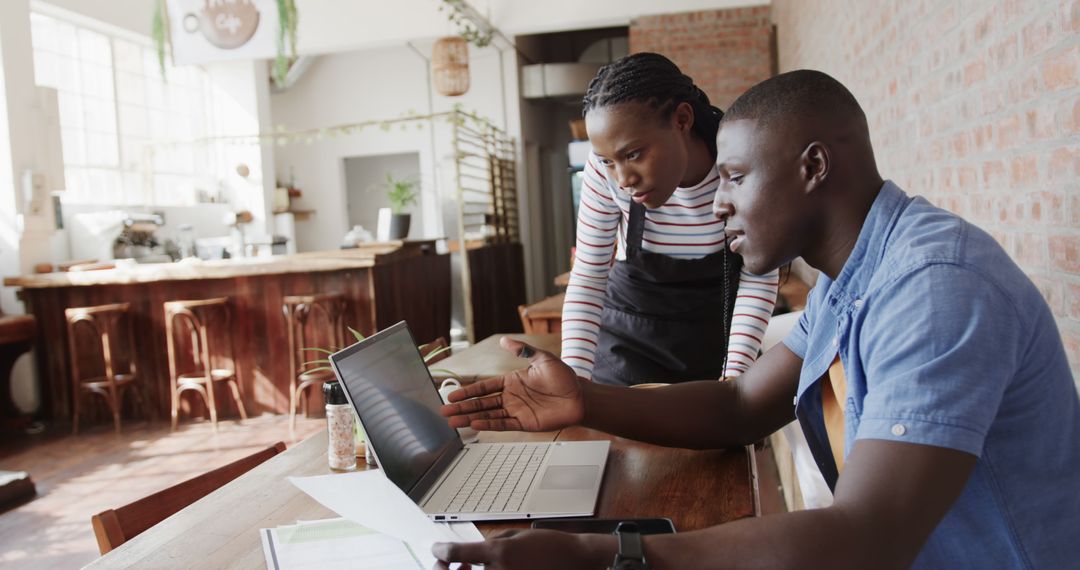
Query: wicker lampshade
point(450, 65)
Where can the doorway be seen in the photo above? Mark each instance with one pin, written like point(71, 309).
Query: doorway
point(366, 187)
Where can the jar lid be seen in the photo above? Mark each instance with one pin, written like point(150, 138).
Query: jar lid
point(334, 393)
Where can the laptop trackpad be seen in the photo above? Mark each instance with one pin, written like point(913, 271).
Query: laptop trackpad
point(569, 477)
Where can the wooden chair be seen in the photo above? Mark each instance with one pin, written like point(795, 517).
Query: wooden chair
point(104, 322)
point(543, 316)
point(435, 345)
point(299, 310)
point(114, 527)
point(195, 318)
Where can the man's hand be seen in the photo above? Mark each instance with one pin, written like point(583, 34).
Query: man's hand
point(528, 549)
point(545, 396)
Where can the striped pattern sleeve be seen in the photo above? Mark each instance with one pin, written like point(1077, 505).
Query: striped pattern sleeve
point(753, 308)
point(597, 233)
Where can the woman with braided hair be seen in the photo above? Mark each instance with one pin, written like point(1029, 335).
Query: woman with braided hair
point(674, 304)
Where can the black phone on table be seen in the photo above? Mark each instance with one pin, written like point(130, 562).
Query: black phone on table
point(606, 526)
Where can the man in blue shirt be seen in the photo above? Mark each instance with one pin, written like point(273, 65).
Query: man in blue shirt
point(927, 373)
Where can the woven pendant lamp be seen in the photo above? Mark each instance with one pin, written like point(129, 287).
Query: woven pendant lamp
point(450, 65)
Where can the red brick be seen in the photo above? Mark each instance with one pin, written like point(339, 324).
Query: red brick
point(1023, 171)
point(968, 179)
point(1008, 133)
point(1038, 35)
point(1030, 250)
point(994, 174)
point(1064, 165)
point(1065, 253)
point(1072, 300)
point(1040, 124)
point(974, 72)
point(983, 137)
point(1004, 53)
point(1070, 16)
point(1060, 70)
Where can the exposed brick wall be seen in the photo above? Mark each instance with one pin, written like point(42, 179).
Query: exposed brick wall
point(725, 51)
point(973, 104)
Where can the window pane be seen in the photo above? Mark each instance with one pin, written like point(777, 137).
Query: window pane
point(94, 48)
point(73, 142)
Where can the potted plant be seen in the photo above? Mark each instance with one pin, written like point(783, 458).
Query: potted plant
point(402, 193)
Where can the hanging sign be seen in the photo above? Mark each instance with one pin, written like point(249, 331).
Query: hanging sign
point(203, 31)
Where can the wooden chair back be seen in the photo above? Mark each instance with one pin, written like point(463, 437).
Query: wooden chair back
point(114, 527)
point(437, 344)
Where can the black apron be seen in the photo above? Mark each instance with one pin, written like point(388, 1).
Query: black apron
point(665, 319)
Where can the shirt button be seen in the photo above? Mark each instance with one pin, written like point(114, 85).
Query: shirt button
point(795, 401)
point(858, 303)
point(899, 430)
point(836, 341)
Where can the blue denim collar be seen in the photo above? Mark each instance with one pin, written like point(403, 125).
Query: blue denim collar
point(859, 269)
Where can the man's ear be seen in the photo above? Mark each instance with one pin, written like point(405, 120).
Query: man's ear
point(815, 163)
point(683, 117)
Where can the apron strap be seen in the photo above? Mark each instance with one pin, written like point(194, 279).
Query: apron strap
point(635, 229)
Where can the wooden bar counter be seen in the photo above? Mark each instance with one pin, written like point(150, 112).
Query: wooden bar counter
point(383, 283)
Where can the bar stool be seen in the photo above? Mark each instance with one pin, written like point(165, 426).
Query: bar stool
point(299, 310)
point(104, 322)
point(197, 315)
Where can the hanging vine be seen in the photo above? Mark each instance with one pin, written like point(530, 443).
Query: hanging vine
point(459, 16)
point(286, 44)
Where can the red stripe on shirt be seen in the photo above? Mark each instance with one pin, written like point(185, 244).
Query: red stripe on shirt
point(766, 321)
point(708, 244)
point(753, 297)
point(582, 303)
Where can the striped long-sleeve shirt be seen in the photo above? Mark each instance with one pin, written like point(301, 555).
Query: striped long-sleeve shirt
point(683, 227)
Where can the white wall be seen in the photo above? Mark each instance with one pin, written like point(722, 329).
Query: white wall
point(131, 15)
point(24, 235)
point(374, 85)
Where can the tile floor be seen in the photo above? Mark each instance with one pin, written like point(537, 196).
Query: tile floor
point(78, 476)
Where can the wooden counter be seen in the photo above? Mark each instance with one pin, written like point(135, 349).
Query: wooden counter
point(384, 283)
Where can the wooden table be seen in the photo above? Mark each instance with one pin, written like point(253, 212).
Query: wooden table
point(486, 358)
point(696, 489)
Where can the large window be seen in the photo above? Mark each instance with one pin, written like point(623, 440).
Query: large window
point(113, 104)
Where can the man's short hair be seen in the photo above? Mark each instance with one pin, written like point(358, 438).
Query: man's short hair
point(799, 94)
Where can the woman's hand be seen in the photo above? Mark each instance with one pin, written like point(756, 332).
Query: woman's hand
point(545, 396)
point(528, 549)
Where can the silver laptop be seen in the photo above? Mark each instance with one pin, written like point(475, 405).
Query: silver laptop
point(386, 381)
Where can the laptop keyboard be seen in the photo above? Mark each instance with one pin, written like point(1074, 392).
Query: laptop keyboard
point(500, 480)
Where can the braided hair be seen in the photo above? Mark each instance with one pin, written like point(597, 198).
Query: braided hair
point(656, 81)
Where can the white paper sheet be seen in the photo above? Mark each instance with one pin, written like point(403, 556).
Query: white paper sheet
point(372, 500)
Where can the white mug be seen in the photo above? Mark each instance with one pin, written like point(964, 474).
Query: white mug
point(468, 434)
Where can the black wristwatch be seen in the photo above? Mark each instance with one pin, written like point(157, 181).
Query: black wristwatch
point(631, 555)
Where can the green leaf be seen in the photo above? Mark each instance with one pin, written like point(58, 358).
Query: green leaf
point(323, 350)
point(158, 32)
point(359, 336)
point(435, 353)
point(317, 369)
point(448, 373)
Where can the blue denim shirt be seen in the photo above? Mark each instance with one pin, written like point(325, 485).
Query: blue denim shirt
point(946, 342)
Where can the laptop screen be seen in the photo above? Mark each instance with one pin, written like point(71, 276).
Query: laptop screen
point(392, 391)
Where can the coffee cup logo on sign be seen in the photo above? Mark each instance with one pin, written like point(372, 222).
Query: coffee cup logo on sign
point(226, 24)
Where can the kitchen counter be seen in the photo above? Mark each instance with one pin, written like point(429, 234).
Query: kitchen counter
point(382, 284)
point(128, 272)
